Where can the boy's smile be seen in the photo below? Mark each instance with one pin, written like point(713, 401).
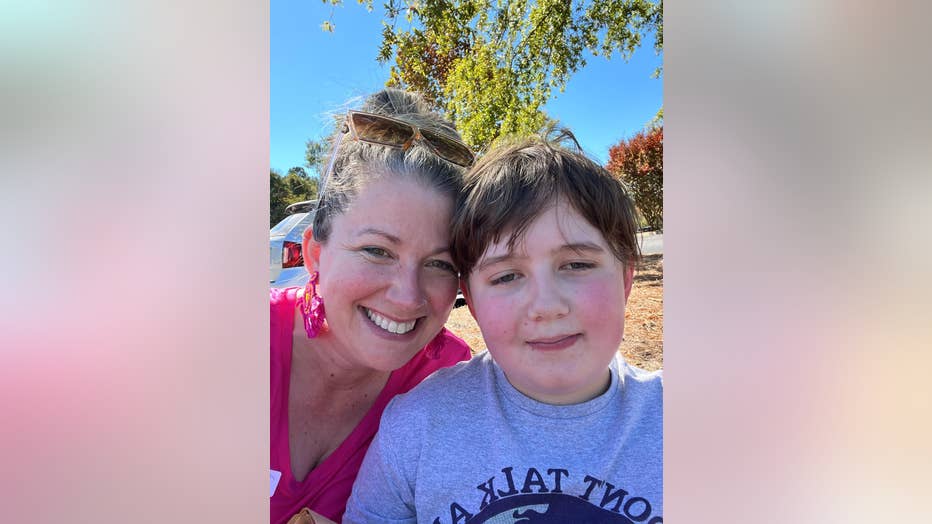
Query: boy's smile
point(552, 310)
point(554, 343)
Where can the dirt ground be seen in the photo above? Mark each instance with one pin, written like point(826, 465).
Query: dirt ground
point(643, 344)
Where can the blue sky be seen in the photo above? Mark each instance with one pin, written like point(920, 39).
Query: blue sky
point(314, 73)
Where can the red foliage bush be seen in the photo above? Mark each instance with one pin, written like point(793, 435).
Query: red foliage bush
point(639, 162)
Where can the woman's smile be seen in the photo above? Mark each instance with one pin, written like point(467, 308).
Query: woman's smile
point(392, 326)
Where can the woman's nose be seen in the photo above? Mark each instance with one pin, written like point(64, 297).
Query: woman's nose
point(406, 291)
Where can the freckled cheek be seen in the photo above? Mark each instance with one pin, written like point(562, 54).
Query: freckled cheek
point(599, 302)
point(497, 318)
point(354, 280)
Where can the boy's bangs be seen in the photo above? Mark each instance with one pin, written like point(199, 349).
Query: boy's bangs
point(492, 221)
point(513, 184)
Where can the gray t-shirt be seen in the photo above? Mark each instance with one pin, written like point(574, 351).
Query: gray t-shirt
point(465, 446)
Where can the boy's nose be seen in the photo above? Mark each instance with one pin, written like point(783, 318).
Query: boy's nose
point(547, 301)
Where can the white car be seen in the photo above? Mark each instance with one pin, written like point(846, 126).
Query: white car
point(285, 260)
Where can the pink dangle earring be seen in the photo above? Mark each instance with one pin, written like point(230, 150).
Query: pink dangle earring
point(312, 307)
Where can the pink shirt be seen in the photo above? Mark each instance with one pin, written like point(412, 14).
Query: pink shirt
point(327, 487)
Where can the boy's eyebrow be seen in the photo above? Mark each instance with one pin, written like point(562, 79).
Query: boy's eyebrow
point(580, 246)
point(493, 260)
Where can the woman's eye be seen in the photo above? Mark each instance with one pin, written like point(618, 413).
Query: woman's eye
point(376, 252)
point(444, 265)
point(504, 279)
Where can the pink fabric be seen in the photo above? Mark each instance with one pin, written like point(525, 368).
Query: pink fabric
point(327, 487)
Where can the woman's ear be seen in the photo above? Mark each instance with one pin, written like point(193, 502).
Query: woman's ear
point(310, 250)
point(629, 279)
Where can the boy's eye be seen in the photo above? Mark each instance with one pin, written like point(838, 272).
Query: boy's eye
point(503, 279)
point(444, 265)
point(578, 266)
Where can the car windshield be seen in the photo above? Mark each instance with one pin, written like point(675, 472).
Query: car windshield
point(286, 224)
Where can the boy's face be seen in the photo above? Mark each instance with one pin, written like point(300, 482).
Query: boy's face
point(552, 312)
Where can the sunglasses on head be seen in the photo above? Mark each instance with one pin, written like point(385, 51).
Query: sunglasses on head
point(391, 132)
point(387, 131)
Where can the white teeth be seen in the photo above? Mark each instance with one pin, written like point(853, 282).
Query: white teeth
point(389, 325)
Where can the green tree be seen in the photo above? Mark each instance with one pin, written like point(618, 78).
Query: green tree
point(657, 121)
point(301, 186)
point(279, 197)
point(296, 186)
point(299, 172)
point(315, 153)
point(492, 65)
point(315, 156)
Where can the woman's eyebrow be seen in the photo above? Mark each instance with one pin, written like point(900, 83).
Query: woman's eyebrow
point(438, 251)
point(396, 240)
point(375, 231)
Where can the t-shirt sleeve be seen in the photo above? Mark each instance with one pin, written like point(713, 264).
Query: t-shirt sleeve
point(384, 488)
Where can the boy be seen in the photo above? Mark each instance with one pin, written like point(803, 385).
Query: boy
point(550, 424)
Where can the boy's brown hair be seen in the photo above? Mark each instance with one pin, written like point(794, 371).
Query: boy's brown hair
point(513, 183)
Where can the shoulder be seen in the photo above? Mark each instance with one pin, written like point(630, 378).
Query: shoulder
point(282, 297)
point(448, 347)
point(641, 376)
point(281, 318)
point(447, 386)
point(431, 408)
point(641, 386)
point(445, 350)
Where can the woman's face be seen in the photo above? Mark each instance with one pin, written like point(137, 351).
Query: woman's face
point(386, 276)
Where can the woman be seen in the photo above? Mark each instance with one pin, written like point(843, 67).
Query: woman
point(369, 324)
